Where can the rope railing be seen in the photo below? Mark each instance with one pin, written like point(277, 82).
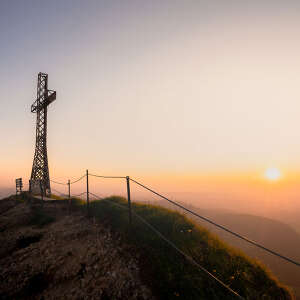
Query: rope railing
point(220, 226)
point(186, 256)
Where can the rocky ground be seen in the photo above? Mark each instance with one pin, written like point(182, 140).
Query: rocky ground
point(72, 257)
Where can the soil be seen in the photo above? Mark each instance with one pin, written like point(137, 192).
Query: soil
point(71, 257)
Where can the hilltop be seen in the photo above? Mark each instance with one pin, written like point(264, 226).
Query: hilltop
point(47, 252)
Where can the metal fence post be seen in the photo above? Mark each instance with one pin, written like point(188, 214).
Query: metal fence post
point(69, 190)
point(87, 192)
point(129, 200)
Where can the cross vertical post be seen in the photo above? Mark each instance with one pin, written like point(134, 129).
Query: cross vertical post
point(40, 179)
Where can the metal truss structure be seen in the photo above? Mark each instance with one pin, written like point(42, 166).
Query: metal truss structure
point(40, 181)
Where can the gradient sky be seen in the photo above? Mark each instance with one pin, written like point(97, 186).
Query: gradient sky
point(206, 92)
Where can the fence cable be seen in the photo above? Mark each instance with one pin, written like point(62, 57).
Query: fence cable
point(63, 194)
point(78, 179)
point(99, 198)
point(101, 176)
point(220, 226)
point(58, 182)
point(188, 257)
point(78, 195)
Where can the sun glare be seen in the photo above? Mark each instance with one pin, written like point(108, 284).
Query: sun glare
point(272, 174)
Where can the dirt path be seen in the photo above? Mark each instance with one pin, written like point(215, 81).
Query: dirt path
point(70, 258)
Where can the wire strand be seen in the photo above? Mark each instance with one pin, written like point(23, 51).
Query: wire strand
point(77, 195)
point(220, 226)
point(101, 176)
point(100, 198)
point(58, 182)
point(63, 194)
point(189, 258)
point(78, 179)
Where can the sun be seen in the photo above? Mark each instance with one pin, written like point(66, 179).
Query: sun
point(272, 174)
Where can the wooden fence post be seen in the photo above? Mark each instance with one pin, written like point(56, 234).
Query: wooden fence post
point(129, 200)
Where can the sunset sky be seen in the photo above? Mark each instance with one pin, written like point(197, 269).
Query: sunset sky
point(192, 97)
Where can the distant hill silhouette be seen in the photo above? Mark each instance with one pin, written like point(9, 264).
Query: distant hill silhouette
point(291, 218)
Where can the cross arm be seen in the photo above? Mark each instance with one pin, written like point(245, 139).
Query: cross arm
point(37, 105)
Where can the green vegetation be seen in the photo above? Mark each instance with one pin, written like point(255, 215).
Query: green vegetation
point(172, 276)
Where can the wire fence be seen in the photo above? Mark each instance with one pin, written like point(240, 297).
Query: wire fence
point(128, 180)
point(131, 213)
